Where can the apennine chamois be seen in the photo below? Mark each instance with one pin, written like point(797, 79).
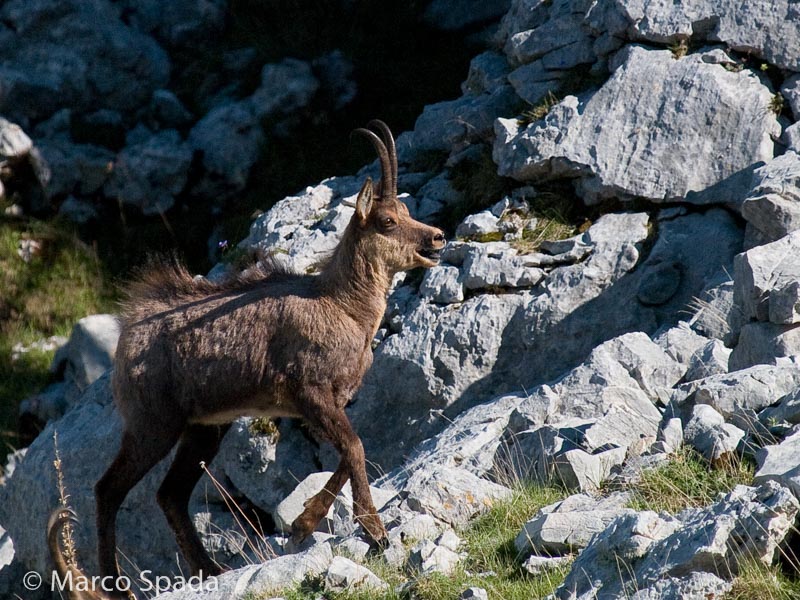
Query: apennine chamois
point(193, 355)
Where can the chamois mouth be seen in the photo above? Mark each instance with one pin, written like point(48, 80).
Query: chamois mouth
point(430, 256)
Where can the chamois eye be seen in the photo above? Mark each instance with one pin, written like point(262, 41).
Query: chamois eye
point(388, 222)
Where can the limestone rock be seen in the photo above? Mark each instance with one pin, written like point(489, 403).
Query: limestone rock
point(490, 344)
point(778, 462)
point(450, 495)
point(568, 525)
point(766, 269)
point(301, 230)
point(442, 285)
point(149, 175)
point(710, 435)
point(428, 557)
point(452, 15)
point(230, 139)
point(787, 409)
point(454, 124)
point(613, 149)
point(263, 467)
point(74, 168)
point(285, 87)
point(764, 344)
point(88, 437)
point(473, 593)
point(739, 393)
point(179, 23)
point(263, 579)
point(14, 142)
point(345, 575)
point(536, 565)
point(723, 21)
point(497, 265)
point(486, 71)
point(681, 343)
point(790, 90)
point(75, 54)
point(711, 359)
point(90, 350)
point(748, 523)
point(773, 206)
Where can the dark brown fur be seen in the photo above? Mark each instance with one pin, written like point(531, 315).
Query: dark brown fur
point(193, 355)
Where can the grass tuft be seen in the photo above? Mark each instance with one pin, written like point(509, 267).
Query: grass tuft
point(687, 480)
point(757, 580)
point(556, 214)
point(538, 111)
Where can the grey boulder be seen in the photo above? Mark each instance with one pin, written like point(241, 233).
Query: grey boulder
point(619, 151)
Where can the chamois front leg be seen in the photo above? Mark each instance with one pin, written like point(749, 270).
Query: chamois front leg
point(333, 424)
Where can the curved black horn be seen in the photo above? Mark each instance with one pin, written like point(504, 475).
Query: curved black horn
point(388, 139)
point(383, 154)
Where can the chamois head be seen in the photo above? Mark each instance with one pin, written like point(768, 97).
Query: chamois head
point(385, 228)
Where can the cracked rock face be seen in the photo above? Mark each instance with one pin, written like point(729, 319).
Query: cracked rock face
point(621, 140)
point(748, 523)
point(727, 21)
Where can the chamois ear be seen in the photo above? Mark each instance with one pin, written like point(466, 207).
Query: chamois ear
point(364, 201)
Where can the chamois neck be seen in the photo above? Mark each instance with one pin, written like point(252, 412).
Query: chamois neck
point(356, 282)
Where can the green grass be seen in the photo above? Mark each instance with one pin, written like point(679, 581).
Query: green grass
point(687, 480)
point(38, 299)
point(491, 561)
point(756, 580)
point(538, 111)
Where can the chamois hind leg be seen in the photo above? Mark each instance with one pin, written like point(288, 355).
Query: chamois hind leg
point(199, 443)
point(138, 453)
point(332, 422)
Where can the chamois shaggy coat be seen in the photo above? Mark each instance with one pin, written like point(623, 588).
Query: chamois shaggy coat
point(193, 355)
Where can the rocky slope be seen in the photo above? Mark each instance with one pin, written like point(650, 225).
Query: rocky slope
point(669, 318)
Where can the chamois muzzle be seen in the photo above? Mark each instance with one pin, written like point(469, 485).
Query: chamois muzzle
point(433, 251)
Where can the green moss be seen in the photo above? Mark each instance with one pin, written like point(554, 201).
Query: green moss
point(687, 480)
point(492, 236)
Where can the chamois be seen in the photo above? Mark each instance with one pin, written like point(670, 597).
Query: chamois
point(192, 356)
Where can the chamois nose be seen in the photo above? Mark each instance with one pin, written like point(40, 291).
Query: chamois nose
point(438, 237)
